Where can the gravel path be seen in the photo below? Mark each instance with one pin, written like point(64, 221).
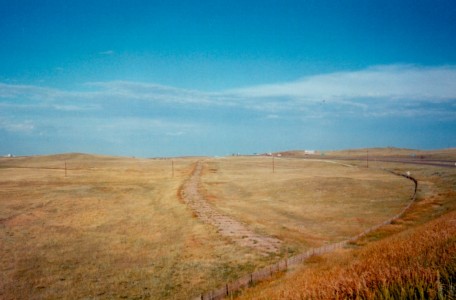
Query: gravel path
point(226, 226)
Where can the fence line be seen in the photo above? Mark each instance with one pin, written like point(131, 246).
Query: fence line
point(229, 289)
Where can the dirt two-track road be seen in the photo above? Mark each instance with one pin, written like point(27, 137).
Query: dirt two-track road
point(226, 226)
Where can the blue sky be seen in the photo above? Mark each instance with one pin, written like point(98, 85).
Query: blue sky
point(168, 78)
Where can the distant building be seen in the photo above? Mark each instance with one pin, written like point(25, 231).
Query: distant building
point(9, 155)
point(309, 152)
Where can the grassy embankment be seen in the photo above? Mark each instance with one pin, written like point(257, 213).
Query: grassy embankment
point(413, 258)
point(415, 264)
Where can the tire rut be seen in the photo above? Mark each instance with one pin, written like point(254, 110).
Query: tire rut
point(227, 226)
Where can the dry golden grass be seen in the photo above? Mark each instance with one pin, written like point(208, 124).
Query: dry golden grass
point(304, 203)
point(413, 258)
point(448, 154)
point(414, 264)
point(115, 227)
point(445, 154)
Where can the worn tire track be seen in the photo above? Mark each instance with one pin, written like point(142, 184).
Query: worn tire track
point(226, 225)
point(282, 266)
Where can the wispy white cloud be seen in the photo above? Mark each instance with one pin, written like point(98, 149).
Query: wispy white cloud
point(13, 91)
point(376, 91)
point(175, 133)
point(144, 117)
point(151, 92)
point(143, 124)
point(381, 82)
point(107, 52)
point(272, 116)
point(74, 108)
point(13, 126)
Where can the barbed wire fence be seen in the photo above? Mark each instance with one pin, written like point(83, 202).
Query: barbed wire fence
point(231, 288)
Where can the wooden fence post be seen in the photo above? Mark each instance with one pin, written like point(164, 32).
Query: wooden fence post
point(286, 260)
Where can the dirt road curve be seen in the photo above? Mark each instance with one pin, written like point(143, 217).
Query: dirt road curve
point(402, 160)
point(226, 226)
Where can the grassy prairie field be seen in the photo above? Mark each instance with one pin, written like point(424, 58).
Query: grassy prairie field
point(113, 228)
point(412, 258)
point(116, 227)
point(304, 203)
point(417, 263)
point(440, 154)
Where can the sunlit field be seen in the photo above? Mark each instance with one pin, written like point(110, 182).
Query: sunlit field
point(305, 203)
point(412, 258)
point(111, 227)
point(203, 150)
point(415, 264)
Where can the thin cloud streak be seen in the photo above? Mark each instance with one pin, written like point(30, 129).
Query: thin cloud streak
point(107, 52)
point(383, 82)
point(151, 92)
point(24, 127)
point(376, 91)
point(329, 110)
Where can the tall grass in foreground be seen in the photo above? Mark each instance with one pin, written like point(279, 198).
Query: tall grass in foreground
point(415, 264)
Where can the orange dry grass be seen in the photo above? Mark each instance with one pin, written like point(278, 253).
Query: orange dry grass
point(305, 203)
point(416, 264)
point(445, 154)
point(113, 228)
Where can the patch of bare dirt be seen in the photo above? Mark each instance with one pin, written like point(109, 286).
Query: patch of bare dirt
point(226, 226)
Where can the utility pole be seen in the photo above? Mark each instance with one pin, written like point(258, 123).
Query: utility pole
point(172, 167)
point(367, 159)
point(273, 166)
point(65, 169)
